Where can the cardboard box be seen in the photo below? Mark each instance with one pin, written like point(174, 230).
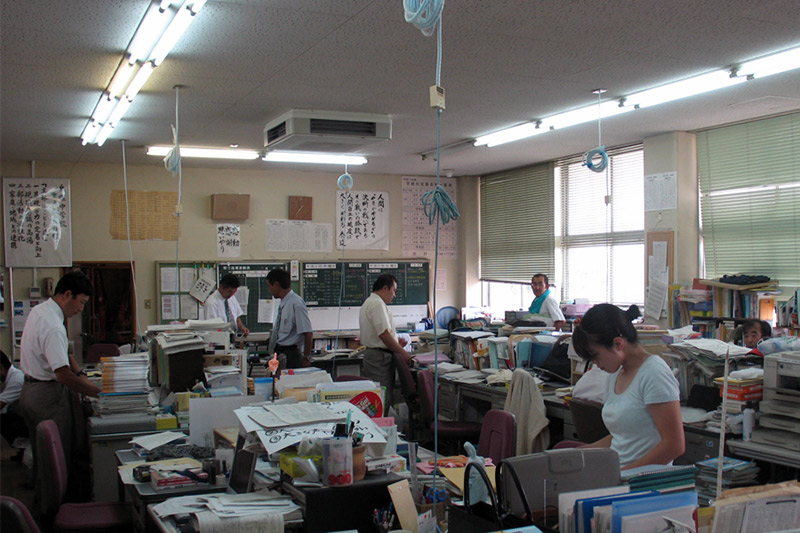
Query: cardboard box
point(230, 206)
point(301, 393)
point(182, 400)
point(390, 463)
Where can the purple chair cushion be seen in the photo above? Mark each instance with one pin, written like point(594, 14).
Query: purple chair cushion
point(15, 516)
point(465, 430)
point(93, 516)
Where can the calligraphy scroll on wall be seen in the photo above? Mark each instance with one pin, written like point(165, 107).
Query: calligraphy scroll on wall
point(362, 220)
point(38, 228)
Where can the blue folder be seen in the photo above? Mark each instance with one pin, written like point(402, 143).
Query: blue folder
point(584, 509)
point(662, 502)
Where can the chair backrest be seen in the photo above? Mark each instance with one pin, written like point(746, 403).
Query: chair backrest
point(497, 435)
point(50, 458)
point(98, 350)
point(407, 386)
point(15, 517)
point(425, 386)
point(588, 420)
point(445, 314)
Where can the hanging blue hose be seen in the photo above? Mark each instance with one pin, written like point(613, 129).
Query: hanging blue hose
point(437, 200)
point(345, 182)
point(424, 14)
point(599, 166)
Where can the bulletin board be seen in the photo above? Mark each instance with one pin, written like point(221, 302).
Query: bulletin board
point(667, 237)
point(253, 276)
point(174, 300)
point(37, 222)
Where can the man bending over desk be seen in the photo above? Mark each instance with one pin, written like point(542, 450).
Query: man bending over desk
point(222, 304)
point(378, 335)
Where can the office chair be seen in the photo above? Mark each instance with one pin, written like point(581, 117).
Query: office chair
point(445, 314)
point(588, 419)
point(69, 517)
point(497, 438)
point(349, 377)
point(408, 388)
point(449, 431)
point(15, 517)
point(98, 350)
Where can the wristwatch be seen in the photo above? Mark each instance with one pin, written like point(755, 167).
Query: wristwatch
point(82, 372)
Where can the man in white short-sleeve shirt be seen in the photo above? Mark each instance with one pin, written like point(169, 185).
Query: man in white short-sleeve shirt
point(222, 304)
point(378, 335)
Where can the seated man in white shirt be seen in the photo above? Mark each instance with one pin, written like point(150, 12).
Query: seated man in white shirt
point(222, 304)
point(544, 302)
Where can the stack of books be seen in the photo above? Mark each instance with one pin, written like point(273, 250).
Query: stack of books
point(661, 478)
point(735, 473)
point(741, 391)
point(125, 373)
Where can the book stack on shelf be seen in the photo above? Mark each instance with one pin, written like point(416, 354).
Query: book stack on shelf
point(735, 473)
point(125, 389)
point(662, 478)
point(741, 391)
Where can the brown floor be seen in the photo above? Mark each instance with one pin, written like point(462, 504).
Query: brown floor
point(13, 476)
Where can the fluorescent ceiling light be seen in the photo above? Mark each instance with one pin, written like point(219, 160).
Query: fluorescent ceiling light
point(774, 64)
point(119, 111)
point(197, 5)
point(105, 131)
point(103, 109)
point(139, 80)
point(90, 132)
point(121, 79)
point(213, 153)
point(309, 157)
point(514, 133)
point(589, 113)
point(682, 89)
point(148, 33)
point(171, 35)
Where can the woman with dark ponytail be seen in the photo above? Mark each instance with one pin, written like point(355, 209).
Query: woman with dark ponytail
point(642, 399)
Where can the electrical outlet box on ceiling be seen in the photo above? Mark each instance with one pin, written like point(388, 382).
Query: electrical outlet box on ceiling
point(309, 130)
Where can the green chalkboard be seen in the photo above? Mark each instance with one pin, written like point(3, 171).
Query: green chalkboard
point(322, 282)
point(254, 277)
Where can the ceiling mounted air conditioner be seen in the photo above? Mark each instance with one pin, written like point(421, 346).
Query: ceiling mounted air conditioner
point(308, 130)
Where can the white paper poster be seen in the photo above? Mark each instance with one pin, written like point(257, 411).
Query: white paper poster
point(284, 235)
point(418, 234)
point(362, 220)
point(661, 191)
point(229, 242)
point(169, 307)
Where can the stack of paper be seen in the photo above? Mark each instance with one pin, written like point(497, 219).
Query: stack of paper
point(735, 473)
point(663, 478)
point(125, 373)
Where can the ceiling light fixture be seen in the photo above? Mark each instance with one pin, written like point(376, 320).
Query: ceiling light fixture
point(213, 153)
point(279, 156)
point(711, 81)
point(448, 149)
point(161, 27)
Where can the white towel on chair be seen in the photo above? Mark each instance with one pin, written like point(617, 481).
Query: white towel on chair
point(525, 401)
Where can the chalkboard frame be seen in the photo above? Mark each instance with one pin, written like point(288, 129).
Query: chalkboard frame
point(262, 268)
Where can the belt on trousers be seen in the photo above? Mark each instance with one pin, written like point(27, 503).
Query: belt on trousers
point(285, 347)
point(29, 379)
point(387, 350)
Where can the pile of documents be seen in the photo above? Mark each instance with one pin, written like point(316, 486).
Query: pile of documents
point(663, 478)
point(735, 473)
point(125, 373)
point(124, 403)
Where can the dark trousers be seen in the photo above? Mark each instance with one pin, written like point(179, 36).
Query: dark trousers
point(294, 358)
point(12, 425)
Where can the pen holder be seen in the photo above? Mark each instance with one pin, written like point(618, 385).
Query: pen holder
point(337, 461)
point(359, 463)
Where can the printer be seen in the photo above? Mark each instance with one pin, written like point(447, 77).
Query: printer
point(779, 423)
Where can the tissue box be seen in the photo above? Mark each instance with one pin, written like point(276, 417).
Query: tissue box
point(390, 463)
point(182, 400)
point(292, 468)
point(165, 421)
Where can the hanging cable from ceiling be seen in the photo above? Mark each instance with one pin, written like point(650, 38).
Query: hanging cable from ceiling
point(139, 333)
point(345, 183)
point(173, 163)
point(597, 160)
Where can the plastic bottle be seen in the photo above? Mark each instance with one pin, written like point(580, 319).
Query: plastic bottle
point(477, 487)
point(748, 422)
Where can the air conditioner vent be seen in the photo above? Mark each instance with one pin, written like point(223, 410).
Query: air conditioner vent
point(310, 130)
point(342, 127)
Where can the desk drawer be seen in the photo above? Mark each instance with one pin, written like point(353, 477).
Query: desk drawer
point(448, 401)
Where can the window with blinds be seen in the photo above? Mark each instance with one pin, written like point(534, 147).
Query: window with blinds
point(517, 224)
point(749, 177)
point(599, 244)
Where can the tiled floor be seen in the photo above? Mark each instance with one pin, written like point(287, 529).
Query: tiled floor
point(13, 476)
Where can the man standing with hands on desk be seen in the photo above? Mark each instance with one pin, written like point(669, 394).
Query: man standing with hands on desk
point(544, 302)
point(54, 381)
point(222, 304)
point(379, 336)
point(292, 325)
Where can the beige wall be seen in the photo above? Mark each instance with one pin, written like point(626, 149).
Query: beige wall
point(91, 186)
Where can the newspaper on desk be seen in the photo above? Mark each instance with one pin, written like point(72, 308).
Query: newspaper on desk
point(276, 437)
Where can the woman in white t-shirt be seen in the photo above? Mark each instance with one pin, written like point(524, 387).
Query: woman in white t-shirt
point(642, 398)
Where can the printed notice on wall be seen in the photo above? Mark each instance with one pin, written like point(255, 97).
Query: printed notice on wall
point(284, 235)
point(152, 215)
point(229, 242)
point(38, 229)
point(362, 220)
point(661, 191)
point(419, 237)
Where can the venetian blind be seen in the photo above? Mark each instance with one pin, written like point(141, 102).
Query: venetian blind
point(516, 227)
point(749, 178)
